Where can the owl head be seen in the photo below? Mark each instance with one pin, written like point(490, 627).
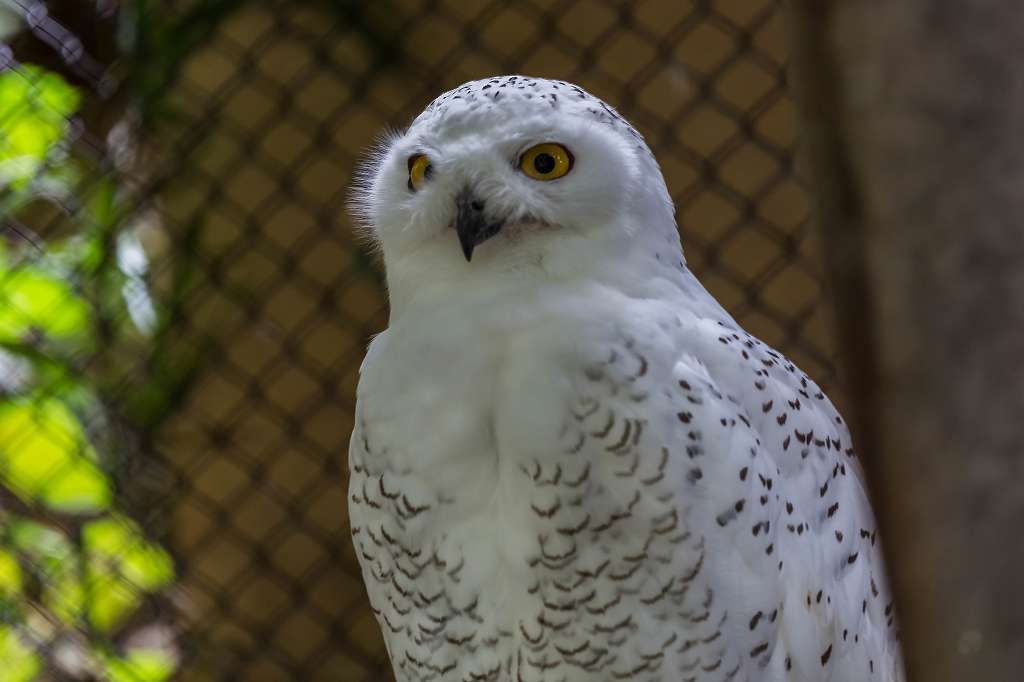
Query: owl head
point(511, 173)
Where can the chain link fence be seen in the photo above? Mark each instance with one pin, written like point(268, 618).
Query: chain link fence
point(184, 308)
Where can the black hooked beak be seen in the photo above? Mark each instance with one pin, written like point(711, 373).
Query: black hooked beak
point(471, 223)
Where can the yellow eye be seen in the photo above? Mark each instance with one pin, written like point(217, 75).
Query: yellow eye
point(419, 171)
point(548, 161)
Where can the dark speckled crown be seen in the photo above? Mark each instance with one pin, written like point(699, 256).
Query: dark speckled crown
point(527, 93)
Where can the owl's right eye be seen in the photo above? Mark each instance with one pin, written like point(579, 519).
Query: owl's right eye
point(419, 171)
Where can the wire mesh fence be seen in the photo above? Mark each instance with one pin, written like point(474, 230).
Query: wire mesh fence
point(183, 307)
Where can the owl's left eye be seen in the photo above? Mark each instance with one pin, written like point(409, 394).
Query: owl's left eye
point(548, 161)
point(419, 170)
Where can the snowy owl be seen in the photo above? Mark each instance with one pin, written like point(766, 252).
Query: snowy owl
point(569, 463)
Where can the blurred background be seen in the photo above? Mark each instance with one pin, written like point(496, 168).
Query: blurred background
point(184, 307)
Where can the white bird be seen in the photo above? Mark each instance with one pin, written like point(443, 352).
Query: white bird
point(569, 462)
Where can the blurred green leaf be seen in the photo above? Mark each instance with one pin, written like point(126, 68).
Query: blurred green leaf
point(140, 665)
point(44, 456)
point(123, 565)
point(117, 538)
point(111, 599)
point(55, 562)
point(34, 108)
point(48, 548)
point(18, 663)
point(65, 596)
point(11, 583)
point(31, 299)
point(11, 578)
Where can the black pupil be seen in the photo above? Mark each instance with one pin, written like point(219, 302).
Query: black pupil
point(544, 163)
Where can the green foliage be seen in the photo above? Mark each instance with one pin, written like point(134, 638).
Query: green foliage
point(19, 662)
point(122, 567)
point(45, 457)
point(68, 558)
point(11, 579)
point(140, 665)
point(53, 561)
point(34, 300)
point(12, 582)
point(34, 110)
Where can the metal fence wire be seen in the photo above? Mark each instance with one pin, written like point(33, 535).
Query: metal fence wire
point(184, 308)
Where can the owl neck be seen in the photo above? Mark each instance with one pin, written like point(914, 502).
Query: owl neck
point(537, 264)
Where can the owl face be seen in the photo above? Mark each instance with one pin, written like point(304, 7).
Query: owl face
point(499, 166)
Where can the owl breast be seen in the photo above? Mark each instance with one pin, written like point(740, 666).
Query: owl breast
point(533, 531)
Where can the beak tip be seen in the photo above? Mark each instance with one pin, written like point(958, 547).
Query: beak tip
point(467, 246)
point(471, 224)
